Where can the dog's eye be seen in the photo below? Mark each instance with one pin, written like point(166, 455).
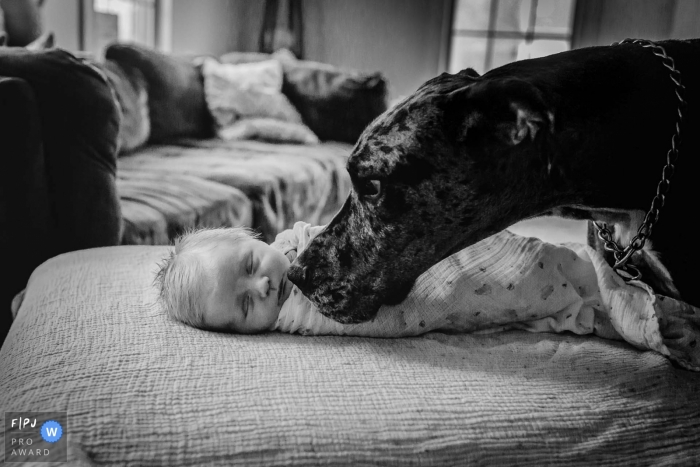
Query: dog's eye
point(370, 188)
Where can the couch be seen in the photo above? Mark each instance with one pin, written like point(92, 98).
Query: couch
point(174, 174)
point(124, 150)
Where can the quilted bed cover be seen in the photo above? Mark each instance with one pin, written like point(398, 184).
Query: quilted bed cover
point(139, 389)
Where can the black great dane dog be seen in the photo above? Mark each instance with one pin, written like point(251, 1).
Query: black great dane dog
point(582, 134)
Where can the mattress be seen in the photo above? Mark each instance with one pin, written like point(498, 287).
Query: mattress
point(139, 389)
point(284, 182)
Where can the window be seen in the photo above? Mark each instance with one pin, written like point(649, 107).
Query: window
point(489, 33)
point(128, 20)
point(139, 21)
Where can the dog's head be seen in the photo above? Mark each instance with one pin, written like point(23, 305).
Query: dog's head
point(443, 169)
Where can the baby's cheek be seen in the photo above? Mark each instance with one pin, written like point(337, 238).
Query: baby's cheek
point(271, 317)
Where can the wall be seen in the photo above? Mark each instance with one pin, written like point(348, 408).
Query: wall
point(61, 17)
point(602, 22)
point(686, 20)
point(405, 39)
point(206, 26)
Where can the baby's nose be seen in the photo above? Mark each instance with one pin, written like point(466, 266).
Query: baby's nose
point(262, 285)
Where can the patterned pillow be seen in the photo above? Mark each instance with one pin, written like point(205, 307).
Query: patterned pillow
point(270, 130)
point(336, 104)
point(177, 107)
point(132, 95)
point(252, 90)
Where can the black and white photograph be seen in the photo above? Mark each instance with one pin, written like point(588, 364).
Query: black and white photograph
point(350, 233)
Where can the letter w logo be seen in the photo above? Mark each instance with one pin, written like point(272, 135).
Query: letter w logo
point(52, 431)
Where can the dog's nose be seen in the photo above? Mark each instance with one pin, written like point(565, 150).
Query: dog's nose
point(298, 275)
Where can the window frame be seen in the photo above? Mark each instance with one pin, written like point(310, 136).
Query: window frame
point(491, 34)
point(162, 26)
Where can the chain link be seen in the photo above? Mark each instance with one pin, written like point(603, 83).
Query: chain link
point(622, 255)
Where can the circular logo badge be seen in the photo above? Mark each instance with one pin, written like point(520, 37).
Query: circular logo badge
point(51, 431)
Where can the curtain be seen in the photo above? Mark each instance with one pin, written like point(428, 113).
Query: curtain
point(282, 27)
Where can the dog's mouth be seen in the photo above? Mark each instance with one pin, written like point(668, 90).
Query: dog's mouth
point(282, 290)
point(397, 293)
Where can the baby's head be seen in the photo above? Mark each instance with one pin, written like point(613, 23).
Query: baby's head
point(224, 279)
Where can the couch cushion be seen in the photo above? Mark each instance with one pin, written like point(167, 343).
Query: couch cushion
point(157, 207)
point(175, 92)
point(285, 182)
point(336, 104)
point(132, 95)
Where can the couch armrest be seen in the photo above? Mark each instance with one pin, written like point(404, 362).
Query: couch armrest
point(59, 191)
point(25, 220)
point(79, 126)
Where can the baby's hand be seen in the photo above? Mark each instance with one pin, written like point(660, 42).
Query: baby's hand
point(291, 255)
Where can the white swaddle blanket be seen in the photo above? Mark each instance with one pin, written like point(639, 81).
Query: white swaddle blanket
point(512, 282)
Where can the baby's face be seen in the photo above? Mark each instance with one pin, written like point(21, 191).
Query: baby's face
point(250, 286)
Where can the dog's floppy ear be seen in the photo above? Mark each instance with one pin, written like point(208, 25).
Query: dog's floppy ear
point(528, 123)
point(470, 72)
point(514, 109)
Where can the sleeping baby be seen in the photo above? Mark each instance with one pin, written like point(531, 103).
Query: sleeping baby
point(226, 279)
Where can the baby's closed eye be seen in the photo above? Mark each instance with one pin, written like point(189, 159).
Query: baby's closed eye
point(247, 305)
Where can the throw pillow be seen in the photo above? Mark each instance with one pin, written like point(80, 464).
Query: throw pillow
point(264, 75)
point(270, 130)
point(246, 91)
point(336, 104)
point(177, 107)
point(132, 96)
point(236, 58)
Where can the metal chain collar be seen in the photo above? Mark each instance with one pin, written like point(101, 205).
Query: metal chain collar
point(622, 255)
